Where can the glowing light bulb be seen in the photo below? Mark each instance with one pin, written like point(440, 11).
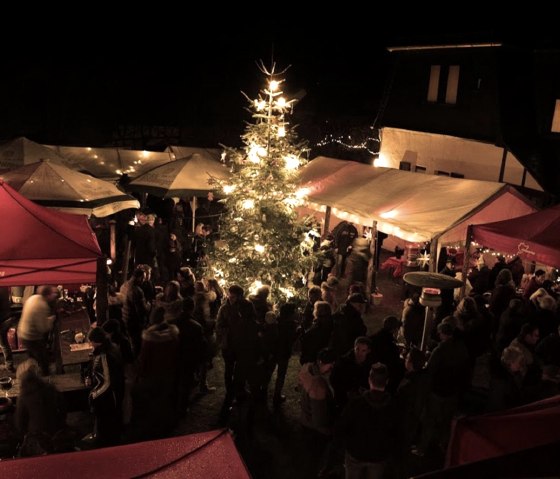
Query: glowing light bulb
point(228, 189)
point(248, 204)
point(259, 248)
point(292, 162)
point(273, 85)
point(281, 131)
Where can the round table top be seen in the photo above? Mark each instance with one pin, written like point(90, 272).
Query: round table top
point(425, 279)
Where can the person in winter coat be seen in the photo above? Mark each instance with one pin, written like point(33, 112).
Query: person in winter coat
point(40, 410)
point(367, 428)
point(107, 389)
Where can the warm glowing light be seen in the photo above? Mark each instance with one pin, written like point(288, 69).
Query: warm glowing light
point(255, 287)
point(260, 105)
point(118, 172)
point(281, 131)
point(259, 248)
point(248, 204)
point(288, 292)
point(292, 162)
point(302, 192)
point(228, 189)
point(145, 153)
point(381, 161)
point(389, 214)
point(273, 85)
point(281, 102)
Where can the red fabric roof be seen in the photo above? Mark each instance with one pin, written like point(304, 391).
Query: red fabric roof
point(41, 246)
point(534, 237)
point(209, 455)
point(492, 435)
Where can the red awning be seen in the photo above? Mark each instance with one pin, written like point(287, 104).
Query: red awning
point(42, 246)
point(208, 455)
point(534, 237)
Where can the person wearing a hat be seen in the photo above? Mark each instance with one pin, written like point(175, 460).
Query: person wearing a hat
point(348, 324)
point(107, 389)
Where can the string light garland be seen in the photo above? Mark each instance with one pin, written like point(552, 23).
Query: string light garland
point(261, 228)
point(351, 143)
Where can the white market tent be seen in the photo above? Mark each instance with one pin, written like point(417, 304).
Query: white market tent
point(411, 206)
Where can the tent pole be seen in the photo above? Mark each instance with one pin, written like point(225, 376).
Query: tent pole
point(427, 320)
point(371, 285)
point(326, 223)
point(112, 240)
point(466, 261)
point(433, 254)
point(193, 207)
point(101, 300)
point(126, 260)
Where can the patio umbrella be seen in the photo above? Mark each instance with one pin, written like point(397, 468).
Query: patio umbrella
point(188, 176)
point(22, 151)
point(56, 186)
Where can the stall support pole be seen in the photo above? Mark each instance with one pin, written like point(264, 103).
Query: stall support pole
point(371, 273)
point(101, 300)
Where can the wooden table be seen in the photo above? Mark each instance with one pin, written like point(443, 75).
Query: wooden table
point(63, 382)
point(66, 328)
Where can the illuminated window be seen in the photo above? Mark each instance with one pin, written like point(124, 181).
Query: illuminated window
point(433, 86)
point(556, 118)
point(452, 85)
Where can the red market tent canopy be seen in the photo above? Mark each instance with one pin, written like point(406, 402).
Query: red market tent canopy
point(42, 246)
point(492, 435)
point(211, 455)
point(534, 237)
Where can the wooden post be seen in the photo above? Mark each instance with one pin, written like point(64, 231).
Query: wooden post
point(101, 300)
point(327, 223)
point(371, 273)
point(112, 240)
point(466, 261)
point(433, 255)
point(126, 260)
point(193, 208)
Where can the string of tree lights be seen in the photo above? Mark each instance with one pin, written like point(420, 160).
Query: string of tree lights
point(263, 240)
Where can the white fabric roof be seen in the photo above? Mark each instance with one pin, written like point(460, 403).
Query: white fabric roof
point(413, 206)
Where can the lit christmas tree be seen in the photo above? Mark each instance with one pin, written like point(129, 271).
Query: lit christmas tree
point(263, 241)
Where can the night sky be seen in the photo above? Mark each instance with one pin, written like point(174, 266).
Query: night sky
point(189, 81)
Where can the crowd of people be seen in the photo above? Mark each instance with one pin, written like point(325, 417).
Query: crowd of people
point(367, 403)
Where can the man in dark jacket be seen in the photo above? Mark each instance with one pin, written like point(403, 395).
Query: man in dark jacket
point(349, 377)
point(348, 324)
point(237, 334)
point(367, 428)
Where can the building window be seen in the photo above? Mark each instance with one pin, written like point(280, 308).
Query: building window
point(457, 175)
point(433, 86)
point(556, 118)
point(404, 165)
point(420, 169)
point(452, 85)
point(441, 173)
